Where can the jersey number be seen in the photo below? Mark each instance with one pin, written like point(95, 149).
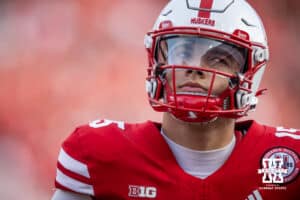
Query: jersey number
point(106, 122)
point(283, 132)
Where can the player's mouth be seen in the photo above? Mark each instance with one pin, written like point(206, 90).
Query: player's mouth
point(193, 88)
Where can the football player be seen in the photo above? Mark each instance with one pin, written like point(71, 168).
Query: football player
point(206, 61)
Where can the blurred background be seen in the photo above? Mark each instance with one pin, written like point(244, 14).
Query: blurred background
point(65, 63)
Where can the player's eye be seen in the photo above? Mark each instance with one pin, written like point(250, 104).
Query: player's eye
point(180, 56)
point(184, 55)
point(219, 61)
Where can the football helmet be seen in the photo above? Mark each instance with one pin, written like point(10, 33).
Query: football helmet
point(221, 46)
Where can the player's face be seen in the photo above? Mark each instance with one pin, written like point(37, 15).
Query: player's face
point(200, 53)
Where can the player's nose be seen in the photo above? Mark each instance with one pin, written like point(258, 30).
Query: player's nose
point(194, 73)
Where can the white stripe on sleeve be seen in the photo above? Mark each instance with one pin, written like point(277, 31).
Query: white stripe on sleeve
point(257, 195)
point(251, 197)
point(73, 184)
point(73, 165)
point(283, 134)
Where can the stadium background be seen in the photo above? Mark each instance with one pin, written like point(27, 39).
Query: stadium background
point(64, 63)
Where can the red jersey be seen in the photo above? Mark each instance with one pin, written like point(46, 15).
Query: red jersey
point(115, 160)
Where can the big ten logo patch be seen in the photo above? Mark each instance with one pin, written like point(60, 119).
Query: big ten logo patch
point(142, 191)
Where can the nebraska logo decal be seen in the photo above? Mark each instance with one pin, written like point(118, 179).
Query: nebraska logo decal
point(204, 14)
point(204, 21)
point(141, 191)
point(279, 165)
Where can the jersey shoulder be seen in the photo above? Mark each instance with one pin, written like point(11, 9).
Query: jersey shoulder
point(102, 138)
point(283, 135)
point(270, 136)
point(100, 141)
point(271, 144)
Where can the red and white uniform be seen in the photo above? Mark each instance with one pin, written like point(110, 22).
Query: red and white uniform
point(115, 160)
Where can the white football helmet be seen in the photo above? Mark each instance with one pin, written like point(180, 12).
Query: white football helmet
point(203, 36)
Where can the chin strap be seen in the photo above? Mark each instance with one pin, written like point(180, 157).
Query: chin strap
point(261, 92)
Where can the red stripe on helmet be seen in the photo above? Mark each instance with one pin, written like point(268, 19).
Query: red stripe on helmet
point(206, 5)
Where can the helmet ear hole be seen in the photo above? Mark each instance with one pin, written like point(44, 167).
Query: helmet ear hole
point(260, 55)
point(151, 87)
point(154, 88)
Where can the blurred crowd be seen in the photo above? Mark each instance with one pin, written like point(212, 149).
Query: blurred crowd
point(65, 63)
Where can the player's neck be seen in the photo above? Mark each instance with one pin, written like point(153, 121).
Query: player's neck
point(199, 136)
